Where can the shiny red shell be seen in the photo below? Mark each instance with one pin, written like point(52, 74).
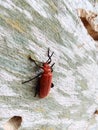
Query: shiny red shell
point(45, 81)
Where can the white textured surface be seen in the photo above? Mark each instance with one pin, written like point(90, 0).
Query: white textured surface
point(30, 27)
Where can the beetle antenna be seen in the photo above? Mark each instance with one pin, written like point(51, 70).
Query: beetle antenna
point(52, 65)
point(49, 59)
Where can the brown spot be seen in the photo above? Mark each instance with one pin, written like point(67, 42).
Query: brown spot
point(87, 18)
point(96, 112)
point(14, 123)
point(90, 30)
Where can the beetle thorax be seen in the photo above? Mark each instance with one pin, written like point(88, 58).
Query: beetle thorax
point(46, 68)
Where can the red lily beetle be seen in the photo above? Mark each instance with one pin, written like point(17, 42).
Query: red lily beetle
point(44, 78)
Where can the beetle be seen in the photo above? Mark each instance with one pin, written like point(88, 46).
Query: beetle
point(44, 82)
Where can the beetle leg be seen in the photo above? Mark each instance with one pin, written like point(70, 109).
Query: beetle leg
point(34, 61)
point(52, 85)
point(37, 88)
point(32, 78)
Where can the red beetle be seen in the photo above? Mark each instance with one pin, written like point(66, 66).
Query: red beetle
point(44, 78)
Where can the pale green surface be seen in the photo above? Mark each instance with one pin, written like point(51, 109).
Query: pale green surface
point(52, 24)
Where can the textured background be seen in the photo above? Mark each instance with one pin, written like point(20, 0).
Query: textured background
point(29, 27)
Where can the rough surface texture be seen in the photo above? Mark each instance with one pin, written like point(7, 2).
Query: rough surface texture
point(29, 27)
point(89, 20)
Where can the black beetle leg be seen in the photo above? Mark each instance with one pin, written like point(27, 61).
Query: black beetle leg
point(37, 88)
point(32, 78)
point(52, 85)
point(34, 61)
